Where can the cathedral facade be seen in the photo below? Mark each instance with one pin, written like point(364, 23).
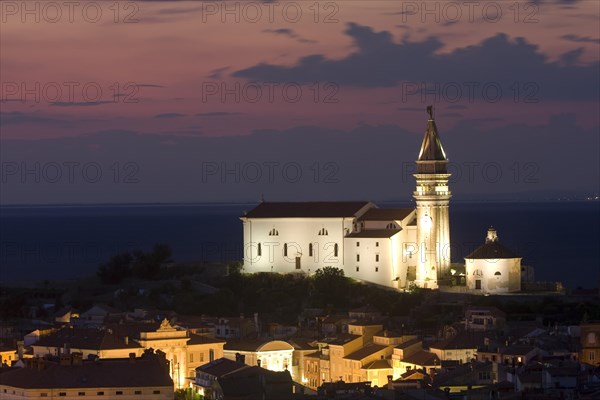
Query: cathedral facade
point(393, 247)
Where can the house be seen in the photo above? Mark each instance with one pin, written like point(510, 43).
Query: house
point(468, 376)
point(145, 377)
point(98, 314)
point(102, 343)
point(517, 355)
point(208, 374)
point(8, 354)
point(236, 327)
point(254, 383)
point(274, 355)
point(590, 343)
point(462, 347)
point(484, 318)
point(421, 359)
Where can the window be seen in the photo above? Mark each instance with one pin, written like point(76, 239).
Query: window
point(478, 284)
point(119, 392)
point(335, 250)
point(191, 357)
point(259, 250)
point(391, 225)
point(100, 394)
point(357, 244)
point(310, 249)
point(376, 244)
point(323, 232)
point(285, 249)
point(358, 257)
point(41, 395)
point(211, 354)
point(592, 356)
point(376, 269)
point(138, 392)
point(377, 257)
point(81, 394)
point(156, 392)
point(273, 232)
point(357, 269)
point(62, 394)
point(201, 357)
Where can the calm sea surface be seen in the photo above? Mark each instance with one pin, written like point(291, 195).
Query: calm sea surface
point(561, 240)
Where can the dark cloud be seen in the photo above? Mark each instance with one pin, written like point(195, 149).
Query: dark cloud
point(176, 162)
point(217, 114)
point(218, 73)
point(18, 118)
point(80, 103)
point(580, 39)
point(289, 33)
point(411, 109)
point(169, 115)
point(379, 62)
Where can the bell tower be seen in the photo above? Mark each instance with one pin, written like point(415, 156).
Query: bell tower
point(432, 196)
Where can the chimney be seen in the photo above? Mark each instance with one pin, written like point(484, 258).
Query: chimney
point(77, 358)
point(20, 346)
point(65, 360)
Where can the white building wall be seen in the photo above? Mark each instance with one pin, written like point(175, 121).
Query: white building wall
point(369, 269)
point(486, 271)
point(298, 234)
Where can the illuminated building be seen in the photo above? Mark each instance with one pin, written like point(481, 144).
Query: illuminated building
point(492, 268)
point(390, 247)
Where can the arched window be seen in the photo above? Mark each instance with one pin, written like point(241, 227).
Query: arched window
point(497, 273)
point(285, 249)
point(259, 250)
point(335, 250)
point(323, 232)
point(310, 249)
point(391, 225)
point(591, 338)
point(273, 232)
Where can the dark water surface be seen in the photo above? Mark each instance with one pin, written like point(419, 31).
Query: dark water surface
point(561, 240)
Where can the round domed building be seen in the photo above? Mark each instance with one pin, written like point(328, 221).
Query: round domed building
point(492, 268)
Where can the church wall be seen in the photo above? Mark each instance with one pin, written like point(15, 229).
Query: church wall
point(369, 269)
point(298, 233)
point(485, 271)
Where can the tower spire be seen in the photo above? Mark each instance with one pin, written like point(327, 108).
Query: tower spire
point(432, 196)
point(432, 157)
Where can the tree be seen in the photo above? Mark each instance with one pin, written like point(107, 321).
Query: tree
point(116, 269)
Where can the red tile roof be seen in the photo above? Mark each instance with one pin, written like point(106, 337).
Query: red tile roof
point(322, 209)
point(386, 214)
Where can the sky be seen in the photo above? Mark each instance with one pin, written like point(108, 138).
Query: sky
point(156, 101)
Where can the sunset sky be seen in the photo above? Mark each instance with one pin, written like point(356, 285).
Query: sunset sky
point(189, 85)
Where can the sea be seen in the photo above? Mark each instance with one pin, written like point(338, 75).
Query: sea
point(560, 240)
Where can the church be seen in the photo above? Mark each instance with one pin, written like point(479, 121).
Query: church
point(392, 247)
